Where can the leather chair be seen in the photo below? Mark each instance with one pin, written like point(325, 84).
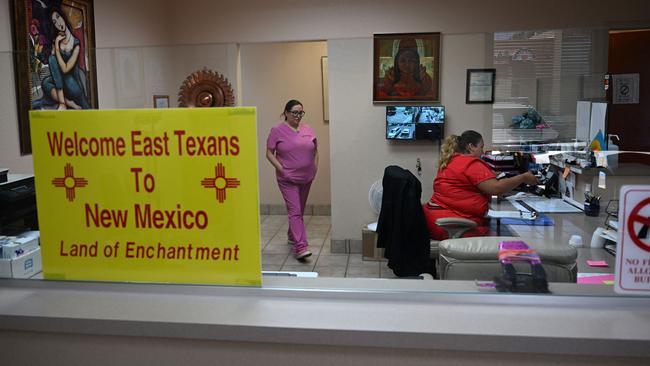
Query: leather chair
point(455, 227)
point(475, 258)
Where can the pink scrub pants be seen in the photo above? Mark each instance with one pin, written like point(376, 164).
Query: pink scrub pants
point(295, 197)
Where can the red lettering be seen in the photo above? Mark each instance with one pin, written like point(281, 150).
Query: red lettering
point(69, 147)
point(62, 251)
point(129, 249)
point(190, 145)
point(135, 143)
point(180, 134)
point(105, 218)
point(83, 146)
point(170, 220)
point(55, 141)
point(234, 145)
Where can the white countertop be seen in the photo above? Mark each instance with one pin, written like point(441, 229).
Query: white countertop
point(423, 314)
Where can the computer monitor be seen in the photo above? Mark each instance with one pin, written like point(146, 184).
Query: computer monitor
point(400, 122)
point(431, 115)
point(414, 122)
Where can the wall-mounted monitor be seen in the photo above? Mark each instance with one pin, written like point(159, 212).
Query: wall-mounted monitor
point(414, 122)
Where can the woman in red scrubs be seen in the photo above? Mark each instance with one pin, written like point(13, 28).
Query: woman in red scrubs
point(464, 185)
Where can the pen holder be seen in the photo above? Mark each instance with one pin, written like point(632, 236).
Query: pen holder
point(592, 209)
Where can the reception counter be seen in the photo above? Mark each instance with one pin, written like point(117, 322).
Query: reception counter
point(318, 321)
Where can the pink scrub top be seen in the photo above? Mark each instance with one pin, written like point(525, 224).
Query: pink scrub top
point(295, 151)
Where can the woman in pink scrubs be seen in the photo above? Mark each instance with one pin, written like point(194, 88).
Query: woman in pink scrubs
point(292, 150)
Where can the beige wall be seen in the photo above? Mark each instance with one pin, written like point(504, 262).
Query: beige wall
point(122, 23)
point(283, 20)
point(9, 144)
point(128, 77)
point(272, 74)
point(360, 151)
point(117, 23)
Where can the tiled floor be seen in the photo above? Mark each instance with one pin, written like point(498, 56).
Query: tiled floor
point(276, 253)
point(277, 256)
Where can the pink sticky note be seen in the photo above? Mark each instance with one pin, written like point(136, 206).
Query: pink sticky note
point(597, 264)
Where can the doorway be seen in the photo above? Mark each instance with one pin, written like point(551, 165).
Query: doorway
point(272, 74)
point(629, 54)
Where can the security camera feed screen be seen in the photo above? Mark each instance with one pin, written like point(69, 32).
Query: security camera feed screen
point(401, 120)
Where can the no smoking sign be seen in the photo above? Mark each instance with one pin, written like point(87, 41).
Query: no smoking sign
point(633, 254)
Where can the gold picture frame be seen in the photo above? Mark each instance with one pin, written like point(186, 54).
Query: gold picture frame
point(406, 67)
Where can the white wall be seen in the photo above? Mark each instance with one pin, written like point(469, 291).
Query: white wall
point(272, 74)
point(360, 151)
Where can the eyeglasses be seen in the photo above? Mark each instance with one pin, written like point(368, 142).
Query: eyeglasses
point(297, 113)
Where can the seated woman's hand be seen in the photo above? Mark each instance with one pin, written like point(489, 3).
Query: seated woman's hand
point(529, 178)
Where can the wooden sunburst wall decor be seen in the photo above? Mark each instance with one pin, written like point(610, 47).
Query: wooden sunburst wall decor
point(206, 88)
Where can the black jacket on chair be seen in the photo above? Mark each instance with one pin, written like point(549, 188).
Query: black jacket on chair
point(402, 229)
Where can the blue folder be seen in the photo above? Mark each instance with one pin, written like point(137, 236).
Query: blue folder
point(542, 220)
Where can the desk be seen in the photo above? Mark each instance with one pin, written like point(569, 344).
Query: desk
point(624, 173)
point(566, 225)
point(504, 207)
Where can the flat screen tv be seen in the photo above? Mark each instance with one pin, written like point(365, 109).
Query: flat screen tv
point(414, 122)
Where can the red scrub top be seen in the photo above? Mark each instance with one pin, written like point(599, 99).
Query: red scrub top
point(456, 193)
point(455, 187)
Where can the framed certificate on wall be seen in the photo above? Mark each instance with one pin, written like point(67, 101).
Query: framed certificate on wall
point(480, 86)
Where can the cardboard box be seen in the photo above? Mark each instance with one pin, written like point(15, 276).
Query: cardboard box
point(369, 250)
point(25, 266)
point(20, 244)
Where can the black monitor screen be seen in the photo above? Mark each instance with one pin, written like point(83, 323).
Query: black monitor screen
point(401, 121)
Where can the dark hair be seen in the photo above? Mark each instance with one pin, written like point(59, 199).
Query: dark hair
point(50, 31)
point(466, 138)
point(397, 72)
point(63, 16)
point(290, 104)
point(457, 144)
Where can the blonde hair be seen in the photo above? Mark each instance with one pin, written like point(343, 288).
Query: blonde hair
point(455, 143)
point(447, 150)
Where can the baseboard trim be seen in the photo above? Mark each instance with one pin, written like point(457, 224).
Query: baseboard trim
point(346, 246)
point(281, 209)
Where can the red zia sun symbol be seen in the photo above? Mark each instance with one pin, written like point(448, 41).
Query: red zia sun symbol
point(220, 182)
point(69, 182)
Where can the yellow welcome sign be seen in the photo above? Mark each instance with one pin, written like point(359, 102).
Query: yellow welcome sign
point(165, 195)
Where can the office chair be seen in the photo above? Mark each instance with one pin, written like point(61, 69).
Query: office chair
point(455, 228)
point(401, 228)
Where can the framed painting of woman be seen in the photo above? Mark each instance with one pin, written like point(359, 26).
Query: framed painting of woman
point(54, 58)
point(406, 67)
